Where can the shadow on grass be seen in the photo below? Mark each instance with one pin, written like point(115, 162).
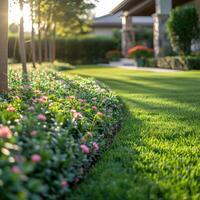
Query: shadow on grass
point(122, 173)
point(116, 176)
point(178, 89)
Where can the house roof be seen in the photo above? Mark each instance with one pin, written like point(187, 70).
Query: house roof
point(142, 7)
point(116, 21)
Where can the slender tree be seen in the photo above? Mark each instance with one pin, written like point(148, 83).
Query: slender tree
point(39, 33)
point(54, 42)
point(32, 34)
point(3, 45)
point(22, 40)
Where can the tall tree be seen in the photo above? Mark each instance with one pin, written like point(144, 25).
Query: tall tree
point(3, 45)
point(39, 32)
point(22, 40)
point(32, 4)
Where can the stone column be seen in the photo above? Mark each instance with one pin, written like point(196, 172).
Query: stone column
point(161, 43)
point(197, 4)
point(128, 35)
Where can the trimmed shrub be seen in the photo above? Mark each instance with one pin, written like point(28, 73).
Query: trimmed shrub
point(79, 50)
point(179, 63)
point(51, 130)
point(113, 55)
point(151, 62)
point(183, 27)
point(84, 50)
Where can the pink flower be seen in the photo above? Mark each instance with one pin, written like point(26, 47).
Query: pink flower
point(94, 107)
point(71, 97)
point(17, 98)
point(16, 170)
point(10, 108)
point(41, 118)
point(64, 184)
point(5, 132)
point(34, 133)
point(100, 114)
point(77, 115)
point(43, 99)
point(95, 146)
point(82, 100)
point(73, 111)
point(35, 100)
point(31, 109)
point(85, 149)
point(36, 158)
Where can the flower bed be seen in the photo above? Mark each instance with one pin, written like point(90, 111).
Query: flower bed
point(51, 131)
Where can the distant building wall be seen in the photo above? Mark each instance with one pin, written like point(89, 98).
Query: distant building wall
point(102, 31)
point(197, 3)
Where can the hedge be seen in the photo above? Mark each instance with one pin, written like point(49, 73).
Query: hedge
point(79, 50)
point(177, 63)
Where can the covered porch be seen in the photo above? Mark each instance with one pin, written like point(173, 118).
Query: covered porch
point(159, 10)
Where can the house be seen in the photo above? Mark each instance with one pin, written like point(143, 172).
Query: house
point(104, 26)
point(159, 10)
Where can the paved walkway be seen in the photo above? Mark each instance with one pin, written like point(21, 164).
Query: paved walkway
point(146, 69)
point(127, 63)
point(140, 68)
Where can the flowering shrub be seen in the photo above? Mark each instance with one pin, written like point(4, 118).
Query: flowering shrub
point(140, 52)
point(51, 130)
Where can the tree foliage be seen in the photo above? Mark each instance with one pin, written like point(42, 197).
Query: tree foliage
point(183, 27)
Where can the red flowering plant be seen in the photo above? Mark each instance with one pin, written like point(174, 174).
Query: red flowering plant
point(140, 52)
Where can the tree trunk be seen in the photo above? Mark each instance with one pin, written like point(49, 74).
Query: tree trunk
point(50, 33)
point(3, 45)
point(50, 45)
point(46, 43)
point(54, 43)
point(33, 37)
point(22, 41)
point(39, 34)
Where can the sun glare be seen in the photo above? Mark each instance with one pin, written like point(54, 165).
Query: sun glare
point(15, 15)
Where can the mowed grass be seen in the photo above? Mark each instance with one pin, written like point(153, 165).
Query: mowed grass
point(156, 155)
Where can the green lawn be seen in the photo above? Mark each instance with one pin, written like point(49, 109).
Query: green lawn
point(157, 153)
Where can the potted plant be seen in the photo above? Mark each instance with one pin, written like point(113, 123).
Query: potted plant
point(140, 54)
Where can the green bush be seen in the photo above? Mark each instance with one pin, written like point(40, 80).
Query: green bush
point(144, 36)
point(84, 50)
point(151, 62)
point(51, 130)
point(183, 27)
point(117, 38)
point(79, 50)
point(179, 62)
point(113, 55)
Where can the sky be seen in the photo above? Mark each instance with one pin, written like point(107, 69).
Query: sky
point(105, 6)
